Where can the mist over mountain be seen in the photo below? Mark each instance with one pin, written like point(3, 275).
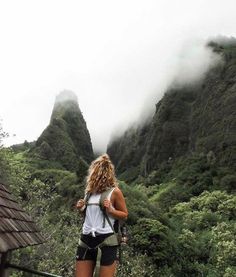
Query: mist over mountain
point(198, 117)
point(66, 138)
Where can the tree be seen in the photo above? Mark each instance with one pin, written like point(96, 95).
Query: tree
point(150, 236)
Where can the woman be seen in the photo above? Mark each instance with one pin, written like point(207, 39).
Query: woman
point(98, 227)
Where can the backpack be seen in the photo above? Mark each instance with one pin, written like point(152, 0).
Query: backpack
point(118, 225)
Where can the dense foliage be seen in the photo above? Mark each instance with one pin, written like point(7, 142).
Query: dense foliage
point(168, 236)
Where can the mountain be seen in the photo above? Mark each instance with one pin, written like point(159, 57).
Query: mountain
point(66, 138)
point(198, 118)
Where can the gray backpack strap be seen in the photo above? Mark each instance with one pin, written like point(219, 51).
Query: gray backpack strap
point(104, 196)
point(86, 199)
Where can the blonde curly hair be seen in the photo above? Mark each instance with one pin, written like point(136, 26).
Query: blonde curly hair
point(101, 175)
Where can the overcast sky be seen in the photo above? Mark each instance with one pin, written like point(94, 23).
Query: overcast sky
point(117, 56)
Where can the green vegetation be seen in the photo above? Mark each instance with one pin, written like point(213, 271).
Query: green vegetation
point(177, 173)
point(182, 216)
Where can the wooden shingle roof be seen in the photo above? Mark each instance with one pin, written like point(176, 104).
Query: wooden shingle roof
point(17, 229)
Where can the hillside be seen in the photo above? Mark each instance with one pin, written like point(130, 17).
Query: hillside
point(66, 138)
point(200, 118)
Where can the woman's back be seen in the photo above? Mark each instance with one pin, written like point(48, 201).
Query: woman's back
point(95, 217)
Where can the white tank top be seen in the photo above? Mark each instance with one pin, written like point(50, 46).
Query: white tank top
point(94, 217)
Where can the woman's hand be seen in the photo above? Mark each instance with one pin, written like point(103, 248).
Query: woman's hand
point(80, 204)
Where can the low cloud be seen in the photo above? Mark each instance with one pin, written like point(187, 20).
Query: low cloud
point(188, 65)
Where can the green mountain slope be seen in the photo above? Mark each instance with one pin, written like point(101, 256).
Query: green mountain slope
point(199, 118)
point(66, 138)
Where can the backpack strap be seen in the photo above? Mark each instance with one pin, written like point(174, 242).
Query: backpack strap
point(86, 199)
point(104, 196)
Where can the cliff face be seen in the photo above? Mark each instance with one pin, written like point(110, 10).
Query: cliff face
point(198, 118)
point(66, 139)
point(127, 151)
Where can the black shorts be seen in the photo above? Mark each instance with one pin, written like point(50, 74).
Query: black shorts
point(109, 253)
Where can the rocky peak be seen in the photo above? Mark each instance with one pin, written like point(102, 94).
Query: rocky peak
point(66, 139)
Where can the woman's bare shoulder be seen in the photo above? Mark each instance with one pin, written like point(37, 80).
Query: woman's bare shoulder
point(117, 192)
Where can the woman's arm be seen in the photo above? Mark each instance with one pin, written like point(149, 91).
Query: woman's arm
point(117, 199)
